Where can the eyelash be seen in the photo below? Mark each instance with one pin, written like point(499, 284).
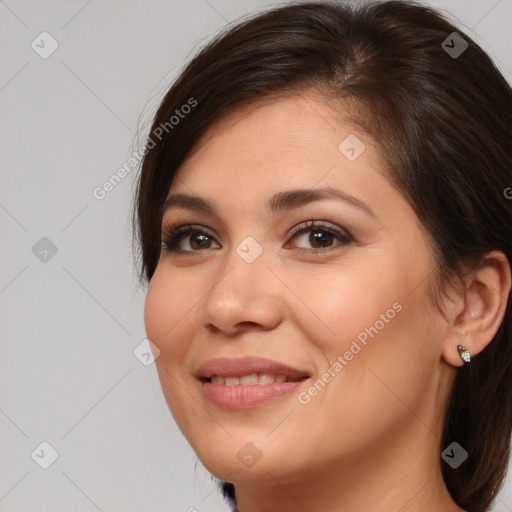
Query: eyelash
point(173, 233)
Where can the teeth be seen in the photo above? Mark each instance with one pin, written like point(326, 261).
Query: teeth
point(248, 380)
point(266, 378)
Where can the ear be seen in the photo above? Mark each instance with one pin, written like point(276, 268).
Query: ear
point(477, 315)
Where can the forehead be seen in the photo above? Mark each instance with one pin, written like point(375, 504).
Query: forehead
point(294, 142)
point(294, 136)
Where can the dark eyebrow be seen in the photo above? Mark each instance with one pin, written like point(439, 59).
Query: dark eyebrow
point(282, 201)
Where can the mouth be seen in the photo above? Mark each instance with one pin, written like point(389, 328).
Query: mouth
point(262, 379)
point(248, 370)
point(247, 382)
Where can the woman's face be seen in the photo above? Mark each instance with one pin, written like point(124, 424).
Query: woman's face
point(295, 332)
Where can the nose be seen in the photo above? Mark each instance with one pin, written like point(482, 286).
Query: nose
point(244, 297)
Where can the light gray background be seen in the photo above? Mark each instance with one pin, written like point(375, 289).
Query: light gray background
point(69, 325)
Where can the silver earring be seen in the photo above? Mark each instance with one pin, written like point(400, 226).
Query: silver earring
point(464, 354)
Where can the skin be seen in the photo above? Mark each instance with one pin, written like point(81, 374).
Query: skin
point(370, 439)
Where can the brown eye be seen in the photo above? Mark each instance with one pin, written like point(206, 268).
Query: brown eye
point(315, 236)
point(199, 241)
point(186, 239)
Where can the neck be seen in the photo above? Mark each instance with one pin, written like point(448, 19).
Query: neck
point(400, 471)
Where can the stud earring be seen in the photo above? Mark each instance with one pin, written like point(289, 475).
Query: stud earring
point(464, 354)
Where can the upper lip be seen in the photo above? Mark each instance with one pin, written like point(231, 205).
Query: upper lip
point(227, 367)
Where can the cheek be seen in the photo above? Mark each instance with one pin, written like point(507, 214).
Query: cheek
point(382, 332)
point(166, 306)
point(376, 294)
point(165, 314)
point(345, 303)
point(155, 307)
point(374, 320)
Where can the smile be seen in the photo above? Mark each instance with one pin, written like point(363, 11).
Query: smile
point(247, 382)
point(263, 379)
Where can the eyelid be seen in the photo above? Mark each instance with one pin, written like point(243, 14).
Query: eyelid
point(173, 232)
point(310, 224)
point(345, 237)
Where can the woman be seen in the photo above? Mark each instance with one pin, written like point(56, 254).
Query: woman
point(326, 232)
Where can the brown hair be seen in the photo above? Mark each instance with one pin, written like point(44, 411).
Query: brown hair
point(443, 128)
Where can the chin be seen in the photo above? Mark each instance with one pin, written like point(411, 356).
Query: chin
point(238, 460)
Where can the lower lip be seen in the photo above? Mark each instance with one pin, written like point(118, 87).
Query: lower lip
point(246, 396)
